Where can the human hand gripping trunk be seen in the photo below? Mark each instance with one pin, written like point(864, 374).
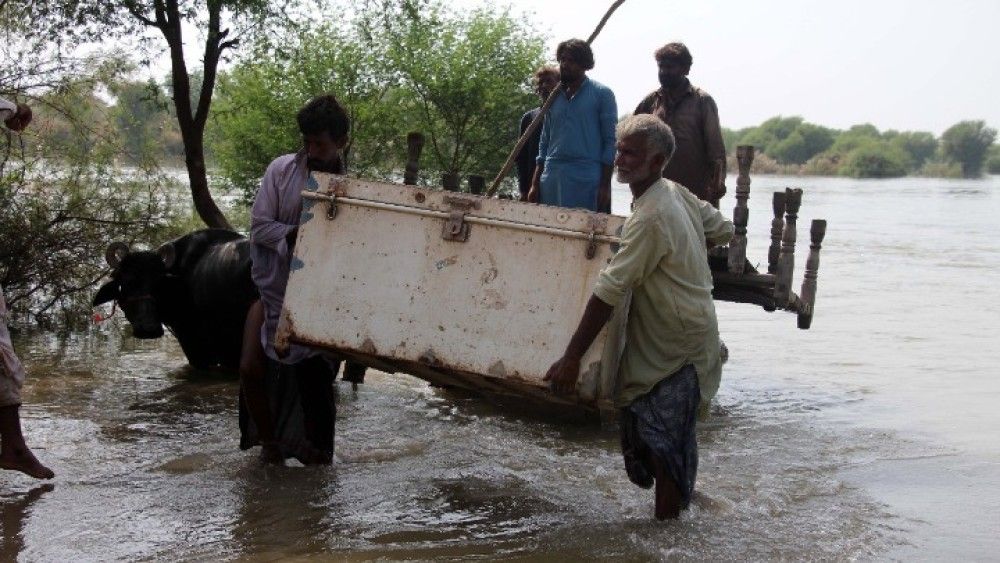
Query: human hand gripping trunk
point(563, 374)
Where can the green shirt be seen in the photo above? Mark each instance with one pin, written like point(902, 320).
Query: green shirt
point(663, 260)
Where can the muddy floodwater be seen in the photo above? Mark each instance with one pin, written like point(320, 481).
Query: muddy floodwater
point(874, 435)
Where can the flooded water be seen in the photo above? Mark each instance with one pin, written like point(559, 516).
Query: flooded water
point(873, 435)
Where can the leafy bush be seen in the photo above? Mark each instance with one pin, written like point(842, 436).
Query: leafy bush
point(875, 159)
point(966, 143)
point(804, 142)
point(919, 145)
point(993, 161)
point(462, 79)
point(56, 224)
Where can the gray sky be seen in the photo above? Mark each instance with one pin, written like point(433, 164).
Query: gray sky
point(908, 65)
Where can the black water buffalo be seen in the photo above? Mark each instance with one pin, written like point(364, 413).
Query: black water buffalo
point(199, 286)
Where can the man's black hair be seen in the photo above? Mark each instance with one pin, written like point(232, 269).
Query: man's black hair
point(675, 52)
point(578, 51)
point(324, 113)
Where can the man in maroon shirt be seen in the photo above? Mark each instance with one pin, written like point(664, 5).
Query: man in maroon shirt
point(699, 162)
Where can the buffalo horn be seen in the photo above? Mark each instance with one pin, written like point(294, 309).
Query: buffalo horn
point(168, 254)
point(115, 252)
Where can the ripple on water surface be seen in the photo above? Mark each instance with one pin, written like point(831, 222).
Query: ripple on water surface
point(148, 467)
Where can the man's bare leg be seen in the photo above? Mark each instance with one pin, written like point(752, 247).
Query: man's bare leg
point(668, 495)
point(14, 452)
point(253, 368)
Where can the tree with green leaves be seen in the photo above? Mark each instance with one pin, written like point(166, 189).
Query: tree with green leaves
point(467, 76)
point(993, 160)
point(919, 145)
point(461, 78)
point(874, 158)
point(804, 142)
point(967, 143)
point(56, 221)
point(222, 23)
point(254, 118)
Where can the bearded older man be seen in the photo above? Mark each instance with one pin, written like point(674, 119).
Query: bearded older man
point(671, 360)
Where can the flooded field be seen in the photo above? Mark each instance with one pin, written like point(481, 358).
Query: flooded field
point(873, 435)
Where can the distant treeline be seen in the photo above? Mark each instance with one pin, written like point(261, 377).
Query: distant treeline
point(791, 145)
point(139, 120)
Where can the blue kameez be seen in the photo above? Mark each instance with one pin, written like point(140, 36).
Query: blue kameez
point(578, 138)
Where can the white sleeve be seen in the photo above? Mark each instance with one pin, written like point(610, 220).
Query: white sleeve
point(7, 109)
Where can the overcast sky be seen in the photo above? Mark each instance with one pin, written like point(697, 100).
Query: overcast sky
point(909, 65)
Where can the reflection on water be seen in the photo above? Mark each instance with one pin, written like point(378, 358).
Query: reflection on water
point(806, 455)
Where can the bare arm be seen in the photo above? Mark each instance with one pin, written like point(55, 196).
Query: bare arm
point(604, 190)
point(536, 183)
point(564, 373)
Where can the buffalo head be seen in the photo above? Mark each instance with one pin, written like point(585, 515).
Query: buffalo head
point(139, 283)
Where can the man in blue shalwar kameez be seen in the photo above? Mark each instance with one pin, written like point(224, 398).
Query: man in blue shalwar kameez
point(577, 147)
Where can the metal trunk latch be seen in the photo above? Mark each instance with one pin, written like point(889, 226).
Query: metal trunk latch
point(596, 226)
point(455, 228)
point(331, 192)
point(591, 246)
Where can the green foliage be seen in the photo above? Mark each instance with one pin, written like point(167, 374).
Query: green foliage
point(855, 137)
point(938, 167)
point(142, 119)
point(993, 160)
point(769, 133)
point(797, 146)
point(804, 142)
point(254, 119)
point(919, 146)
point(788, 140)
point(467, 75)
point(967, 143)
point(462, 79)
point(142, 22)
point(872, 158)
point(731, 138)
point(56, 222)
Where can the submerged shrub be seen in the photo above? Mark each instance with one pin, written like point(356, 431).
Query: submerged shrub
point(875, 159)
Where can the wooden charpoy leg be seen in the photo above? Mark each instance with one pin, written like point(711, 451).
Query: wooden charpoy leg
point(816, 233)
point(414, 146)
point(777, 226)
point(450, 181)
point(741, 213)
point(786, 260)
point(477, 184)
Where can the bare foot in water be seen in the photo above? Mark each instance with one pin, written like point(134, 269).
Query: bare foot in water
point(21, 459)
point(270, 454)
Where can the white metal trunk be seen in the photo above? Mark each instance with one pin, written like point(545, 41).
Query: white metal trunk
point(454, 288)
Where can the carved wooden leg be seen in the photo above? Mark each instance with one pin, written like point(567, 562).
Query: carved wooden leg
point(477, 184)
point(450, 181)
point(777, 226)
point(741, 213)
point(816, 233)
point(414, 146)
point(786, 260)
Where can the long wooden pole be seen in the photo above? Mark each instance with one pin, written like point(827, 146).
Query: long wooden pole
point(537, 122)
